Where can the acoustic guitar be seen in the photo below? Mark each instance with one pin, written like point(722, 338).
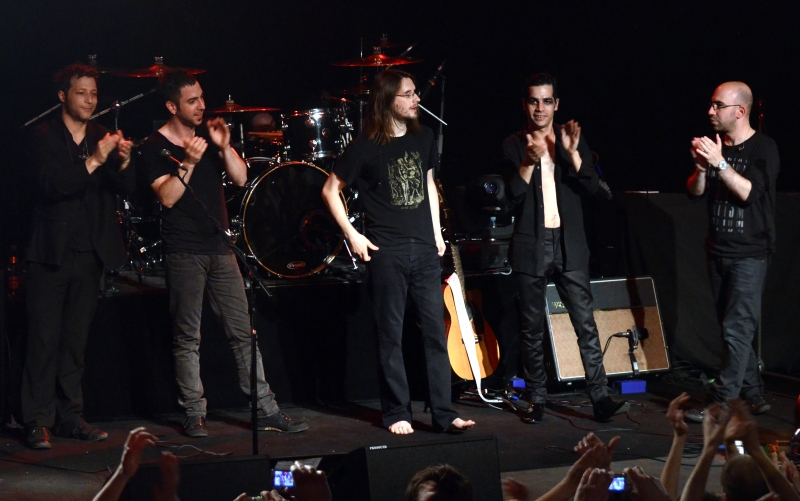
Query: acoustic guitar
point(463, 320)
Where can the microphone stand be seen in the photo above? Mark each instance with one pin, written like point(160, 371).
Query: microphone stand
point(252, 278)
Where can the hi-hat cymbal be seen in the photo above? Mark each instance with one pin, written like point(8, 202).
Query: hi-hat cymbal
point(378, 60)
point(358, 90)
point(155, 71)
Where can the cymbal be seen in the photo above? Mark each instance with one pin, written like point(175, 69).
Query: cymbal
point(155, 71)
point(237, 108)
point(378, 60)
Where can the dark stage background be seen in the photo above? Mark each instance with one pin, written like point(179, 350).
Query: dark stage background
point(637, 75)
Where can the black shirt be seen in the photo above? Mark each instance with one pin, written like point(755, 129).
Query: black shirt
point(185, 227)
point(744, 228)
point(392, 184)
point(527, 254)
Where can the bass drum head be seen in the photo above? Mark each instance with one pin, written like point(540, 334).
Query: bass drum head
point(287, 227)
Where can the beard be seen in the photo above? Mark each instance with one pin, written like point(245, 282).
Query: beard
point(412, 123)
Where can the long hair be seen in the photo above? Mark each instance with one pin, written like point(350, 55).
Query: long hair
point(380, 109)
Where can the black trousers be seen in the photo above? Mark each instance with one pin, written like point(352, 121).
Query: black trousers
point(392, 279)
point(61, 301)
point(573, 287)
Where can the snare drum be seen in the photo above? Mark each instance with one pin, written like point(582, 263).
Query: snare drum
point(286, 226)
point(315, 134)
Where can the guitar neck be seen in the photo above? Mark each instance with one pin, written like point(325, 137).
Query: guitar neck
point(451, 239)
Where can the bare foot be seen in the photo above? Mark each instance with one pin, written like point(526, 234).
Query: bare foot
point(459, 424)
point(401, 428)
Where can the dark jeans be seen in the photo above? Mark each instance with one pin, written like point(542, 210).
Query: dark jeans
point(61, 301)
point(737, 285)
point(392, 279)
point(189, 276)
point(573, 287)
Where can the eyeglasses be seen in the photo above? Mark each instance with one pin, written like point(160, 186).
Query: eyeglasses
point(718, 106)
point(407, 95)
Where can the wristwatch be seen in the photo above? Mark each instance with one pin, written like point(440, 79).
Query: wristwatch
point(722, 165)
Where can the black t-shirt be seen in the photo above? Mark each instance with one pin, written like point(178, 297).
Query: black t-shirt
point(185, 227)
point(392, 184)
point(744, 228)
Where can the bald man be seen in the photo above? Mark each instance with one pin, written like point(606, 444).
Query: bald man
point(735, 172)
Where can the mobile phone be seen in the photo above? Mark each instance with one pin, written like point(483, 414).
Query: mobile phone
point(739, 446)
point(617, 484)
point(282, 478)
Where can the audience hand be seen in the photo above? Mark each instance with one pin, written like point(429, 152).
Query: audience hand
point(132, 451)
point(742, 427)
point(594, 485)
point(606, 452)
point(676, 413)
point(714, 423)
point(167, 490)
point(309, 484)
point(644, 487)
point(789, 471)
point(513, 490)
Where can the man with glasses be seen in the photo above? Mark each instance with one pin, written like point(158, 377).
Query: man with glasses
point(736, 174)
point(392, 164)
point(550, 167)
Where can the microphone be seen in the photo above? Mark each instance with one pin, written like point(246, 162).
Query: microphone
point(432, 82)
point(167, 154)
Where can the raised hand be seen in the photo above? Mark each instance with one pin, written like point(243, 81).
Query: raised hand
point(594, 485)
point(195, 147)
point(700, 162)
point(167, 490)
point(137, 439)
point(513, 490)
point(604, 454)
point(676, 413)
point(309, 484)
point(570, 136)
point(710, 150)
point(645, 487)
point(219, 133)
point(714, 423)
point(105, 146)
point(741, 426)
point(124, 148)
point(534, 150)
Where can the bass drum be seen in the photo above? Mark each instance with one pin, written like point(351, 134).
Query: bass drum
point(285, 223)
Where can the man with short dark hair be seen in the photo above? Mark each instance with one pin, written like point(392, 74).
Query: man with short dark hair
point(79, 167)
point(439, 482)
point(550, 167)
point(736, 174)
point(392, 165)
point(198, 260)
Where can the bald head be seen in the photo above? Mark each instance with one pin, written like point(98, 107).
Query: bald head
point(737, 93)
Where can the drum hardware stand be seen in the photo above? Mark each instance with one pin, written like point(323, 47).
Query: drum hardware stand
point(252, 278)
point(37, 117)
point(119, 104)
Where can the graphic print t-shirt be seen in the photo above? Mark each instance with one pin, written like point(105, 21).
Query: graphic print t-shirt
point(744, 228)
point(392, 185)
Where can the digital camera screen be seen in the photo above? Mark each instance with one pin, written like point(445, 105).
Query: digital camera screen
point(282, 478)
point(617, 484)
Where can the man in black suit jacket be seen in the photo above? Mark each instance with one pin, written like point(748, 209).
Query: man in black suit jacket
point(79, 167)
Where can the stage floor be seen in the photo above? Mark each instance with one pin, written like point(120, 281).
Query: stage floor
point(75, 470)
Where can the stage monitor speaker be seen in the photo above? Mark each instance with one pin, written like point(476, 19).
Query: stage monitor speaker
point(619, 305)
point(382, 472)
point(221, 478)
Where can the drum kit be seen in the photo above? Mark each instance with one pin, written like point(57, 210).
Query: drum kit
point(278, 218)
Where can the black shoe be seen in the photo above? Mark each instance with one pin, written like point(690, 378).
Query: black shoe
point(604, 408)
point(757, 404)
point(88, 432)
point(534, 415)
point(195, 426)
point(38, 438)
point(280, 422)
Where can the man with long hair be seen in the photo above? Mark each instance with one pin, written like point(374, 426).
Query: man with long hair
point(79, 167)
point(392, 165)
